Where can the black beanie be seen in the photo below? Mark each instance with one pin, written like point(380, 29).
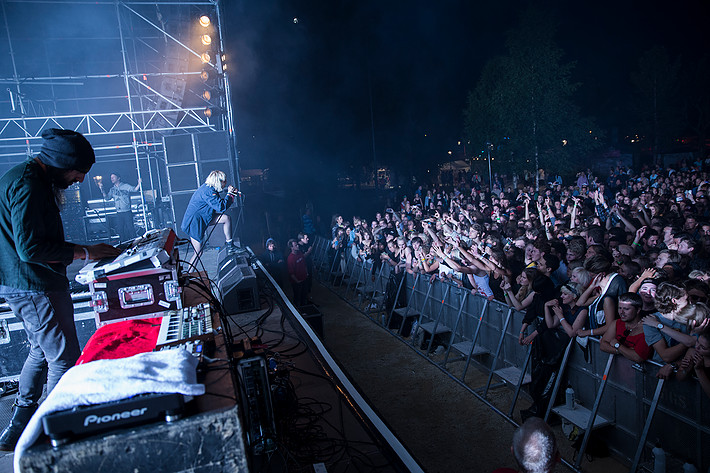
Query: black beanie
point(66, 149)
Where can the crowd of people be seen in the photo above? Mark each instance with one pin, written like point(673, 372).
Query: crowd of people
point(625, 259)
point(298, 265)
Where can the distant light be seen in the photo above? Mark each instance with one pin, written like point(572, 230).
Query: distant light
point(224, 57)
point(205, 21)
point(206, 39)
point(205, 57)
point(459, 143)
point(449, 152)
point(295, 20)
point(564, 142)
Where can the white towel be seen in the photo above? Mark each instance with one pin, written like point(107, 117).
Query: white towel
point(167, 371)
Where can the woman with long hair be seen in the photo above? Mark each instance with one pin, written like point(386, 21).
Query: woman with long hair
point(603, 292)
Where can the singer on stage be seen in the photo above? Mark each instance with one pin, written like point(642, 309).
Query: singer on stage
point(207, 208)
point(33, 265)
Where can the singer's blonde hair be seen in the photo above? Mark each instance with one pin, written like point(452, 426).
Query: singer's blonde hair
point(216, 179)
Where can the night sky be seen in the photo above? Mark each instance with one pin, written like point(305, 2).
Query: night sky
point(302, 90)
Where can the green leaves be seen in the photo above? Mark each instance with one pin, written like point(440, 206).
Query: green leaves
point(523, 102)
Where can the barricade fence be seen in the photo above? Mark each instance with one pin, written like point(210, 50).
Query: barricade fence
point(619, 401)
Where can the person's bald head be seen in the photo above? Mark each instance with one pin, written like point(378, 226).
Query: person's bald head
point(535, 446)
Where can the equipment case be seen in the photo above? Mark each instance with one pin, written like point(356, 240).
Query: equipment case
point(14, 346)
point(143, 291)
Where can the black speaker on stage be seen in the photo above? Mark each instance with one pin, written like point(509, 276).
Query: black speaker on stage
point(226, 260)
point(313, 316)
point(238, 291)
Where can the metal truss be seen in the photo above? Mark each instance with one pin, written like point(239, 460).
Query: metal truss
point(98, 124)
point(136, 98)
point(149, 111)
point(23, 134)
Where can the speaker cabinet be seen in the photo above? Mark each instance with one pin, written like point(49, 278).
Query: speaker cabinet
point(238, 291)
point(227, 263)
point(178, 149)
point(189, 159)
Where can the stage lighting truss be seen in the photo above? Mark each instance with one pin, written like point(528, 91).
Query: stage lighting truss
point(212, 112)
point(213, 97)
point(209, 75)
point(198, 48)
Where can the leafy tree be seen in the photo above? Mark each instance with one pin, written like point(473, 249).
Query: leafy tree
point(697, 100)
point(658, 105)
point(523, 103)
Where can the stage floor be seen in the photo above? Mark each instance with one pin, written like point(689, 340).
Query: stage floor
point(322, 425)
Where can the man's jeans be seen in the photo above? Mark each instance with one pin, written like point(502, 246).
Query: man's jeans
point(48, 318)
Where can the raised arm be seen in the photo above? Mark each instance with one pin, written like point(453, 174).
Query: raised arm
point(647, 274)
point(584, 298)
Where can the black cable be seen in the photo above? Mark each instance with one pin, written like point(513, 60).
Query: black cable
point(304, 433)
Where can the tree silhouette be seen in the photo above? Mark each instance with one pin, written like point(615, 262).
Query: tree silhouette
point(523, 102)
point(658, 106)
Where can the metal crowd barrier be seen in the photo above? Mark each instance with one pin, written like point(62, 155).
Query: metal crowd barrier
point(616, 399)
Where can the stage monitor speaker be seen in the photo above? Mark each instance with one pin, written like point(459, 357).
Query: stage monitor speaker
point(227, 262)
point(314, 317)
point(238, 290)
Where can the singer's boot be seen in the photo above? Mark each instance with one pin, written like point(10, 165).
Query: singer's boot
point(20, 417)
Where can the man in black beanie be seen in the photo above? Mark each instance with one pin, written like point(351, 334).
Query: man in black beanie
point(33, 262)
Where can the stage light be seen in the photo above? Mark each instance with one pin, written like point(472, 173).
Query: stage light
point(212, 112)
point(206, 39)
point(212, 95)
point(205, 75)
point(205, 57)
point(205, 21)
